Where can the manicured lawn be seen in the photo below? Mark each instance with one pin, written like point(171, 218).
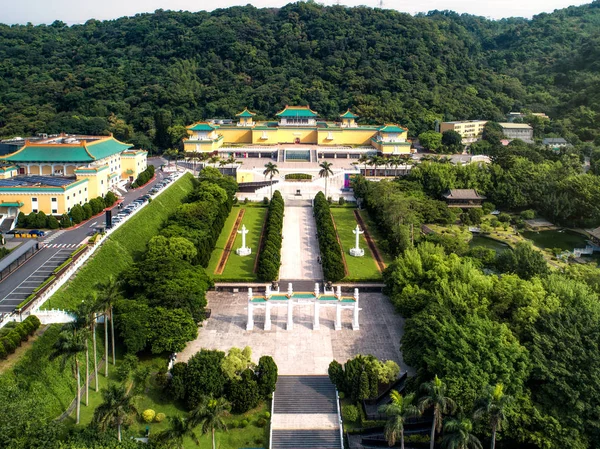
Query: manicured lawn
point(239, 268)
point(376, 236)
point(359, 268)
point(123, 247)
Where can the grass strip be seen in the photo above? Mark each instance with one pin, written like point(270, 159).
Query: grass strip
point(123, 247)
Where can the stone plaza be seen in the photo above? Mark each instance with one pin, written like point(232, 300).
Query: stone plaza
point(301, 350)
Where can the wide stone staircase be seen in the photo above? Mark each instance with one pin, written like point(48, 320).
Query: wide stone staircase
point(305, 414)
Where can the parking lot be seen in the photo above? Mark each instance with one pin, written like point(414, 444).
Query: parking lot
point(39, 275)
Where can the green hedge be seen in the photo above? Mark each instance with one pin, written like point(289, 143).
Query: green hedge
point(331, 251)
point(269, 258)
point(18, 333)
point(298, 176)
point(143, 177)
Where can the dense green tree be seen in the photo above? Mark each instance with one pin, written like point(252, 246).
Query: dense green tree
point(244, 393)
point(204, 377)
point(266, 375)
point(431, 140)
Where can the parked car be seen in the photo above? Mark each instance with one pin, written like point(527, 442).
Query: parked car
point(13, 232)
point(37, 232)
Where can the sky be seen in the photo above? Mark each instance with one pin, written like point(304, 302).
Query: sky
point(78, 11)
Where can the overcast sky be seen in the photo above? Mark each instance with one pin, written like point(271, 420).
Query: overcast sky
point(78, 11)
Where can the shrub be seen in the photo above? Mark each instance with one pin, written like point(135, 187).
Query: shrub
point(109, 199)
point(488, 207)
point(341, 395)
point(2, 351)
point(65, 221)
point(23, 331)
point(298, 176)
point(41, 220)
point(53, 222)
point(267, 415)
point(22, 220)
point(148, 415)
point(9, 345)
point(504, 217)
point(15, 337)
point(350, 413)
point(87, 211)
point(342, 201)
point(331, 251)
point(77, 214)
point(35, 321)
point(269, 258)
point(244, 394)
point(528, 214)
point(261, 422)
point(160, 417)
point(244, 423)
point(143, 177)
point(265, 200)
point(246, 201)
point(234, 424)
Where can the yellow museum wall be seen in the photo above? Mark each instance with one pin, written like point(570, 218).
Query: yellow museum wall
point(236, 135)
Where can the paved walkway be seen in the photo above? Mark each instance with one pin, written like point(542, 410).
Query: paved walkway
point(302, 350)
point(300, 249)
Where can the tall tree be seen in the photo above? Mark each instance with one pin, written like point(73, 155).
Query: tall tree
point(209, 416)
point(325, 172)
point(492, 405)
point(108, 293)
point(270, 171)
point(398, 410)
point(364, 159)
point(457, 435)
point(69, 345)
point(179, 428)
point(117, 405)
point(435, 397)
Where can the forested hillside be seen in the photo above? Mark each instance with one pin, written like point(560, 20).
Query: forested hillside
point(137, 76)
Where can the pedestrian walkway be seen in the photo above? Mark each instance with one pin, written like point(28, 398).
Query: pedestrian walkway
point(53, 235)
point(300, 249)
point(62, 245)
point(305, 414)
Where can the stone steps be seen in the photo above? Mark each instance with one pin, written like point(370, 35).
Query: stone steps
point(299, 439)
point(305, 395)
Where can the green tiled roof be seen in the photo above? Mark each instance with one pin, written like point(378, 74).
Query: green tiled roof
point(202, 127)
point(12, 204)
point(297, 111)
point(392, 129)
point(86, 152)
point(348, 114)
point(100, 149)
point(245, 113)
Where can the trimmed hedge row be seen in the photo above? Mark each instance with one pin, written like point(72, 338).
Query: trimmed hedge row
point(331, 251)
point(12, 337)
point(143, 177)
point(269, 258)
point(298, 176)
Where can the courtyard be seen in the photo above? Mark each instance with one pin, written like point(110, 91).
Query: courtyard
point(301, 351)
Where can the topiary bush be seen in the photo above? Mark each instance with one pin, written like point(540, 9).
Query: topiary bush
point(148, 415)
point(269, 259)
point(331, 251)
point(244, 423)
point(160, 417)
point(267, 415)
point(3, 352)
point(52, 222)
point(8, 344)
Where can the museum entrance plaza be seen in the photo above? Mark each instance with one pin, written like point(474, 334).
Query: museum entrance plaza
point(301, 349)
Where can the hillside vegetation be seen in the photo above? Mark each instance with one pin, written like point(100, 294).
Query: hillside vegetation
point(140, 76)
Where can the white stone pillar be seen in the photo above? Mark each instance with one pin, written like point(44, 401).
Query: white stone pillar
point(338, 316)
point(250, 322)
point(268, 292)
point(316, 289)
point(338, 295)
point(267, 316)
point(316, 316)
point(290, 314)
point(290, 289)
point(355, 325)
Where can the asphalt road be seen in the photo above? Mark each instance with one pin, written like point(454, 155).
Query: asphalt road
point(58, 245)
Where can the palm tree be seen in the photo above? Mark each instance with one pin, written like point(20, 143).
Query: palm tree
point(457, 435)
point(69, 344)
point(398, 411)
point(364, 159)
point(179, 429)
point(395, 161)
point(271, 170)
point(325, 172)
point(116, 406)
point(85, 320)
point(209, 415)
point(435, 397)
point(231, 160)
point(214, 159)
point(373, 162)
point(108, 293)
point(492, 405)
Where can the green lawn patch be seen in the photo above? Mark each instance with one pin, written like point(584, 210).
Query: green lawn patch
point(376, 236)
point(359, 268)
point(239, 268)
point(123, 247)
